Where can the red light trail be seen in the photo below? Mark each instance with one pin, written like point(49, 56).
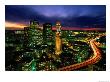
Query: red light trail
point(94, 59)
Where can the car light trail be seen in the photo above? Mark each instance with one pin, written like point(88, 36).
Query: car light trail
point(94, 59)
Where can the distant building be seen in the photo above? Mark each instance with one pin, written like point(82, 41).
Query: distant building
point(14, 39)
point(34, 24)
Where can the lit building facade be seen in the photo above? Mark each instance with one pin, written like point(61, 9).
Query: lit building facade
point(33, 35)
point(58, 26)
point(58, 40)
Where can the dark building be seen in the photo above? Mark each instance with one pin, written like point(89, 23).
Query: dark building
point(48, 37)
point(13, 48)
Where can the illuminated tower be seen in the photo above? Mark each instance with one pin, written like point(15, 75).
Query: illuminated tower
point(58, 26)
point(58, 41)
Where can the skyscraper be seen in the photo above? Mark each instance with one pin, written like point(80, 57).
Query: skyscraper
point(47, 34)
point(58, 40)
point(33, 35)
point(32, 44)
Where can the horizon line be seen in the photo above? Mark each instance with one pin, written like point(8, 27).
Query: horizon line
point(64, 28)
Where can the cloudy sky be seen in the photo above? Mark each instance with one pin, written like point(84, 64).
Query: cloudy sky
point(69, 15)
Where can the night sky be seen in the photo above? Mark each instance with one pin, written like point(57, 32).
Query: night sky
point(69, 15)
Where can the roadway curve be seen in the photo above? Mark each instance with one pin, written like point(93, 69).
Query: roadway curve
point(96, 57)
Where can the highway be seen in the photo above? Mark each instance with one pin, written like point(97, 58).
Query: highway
point(94, 59)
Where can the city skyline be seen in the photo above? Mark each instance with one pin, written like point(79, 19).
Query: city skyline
point(18, 16)
point(33, 49)
point(55, 38)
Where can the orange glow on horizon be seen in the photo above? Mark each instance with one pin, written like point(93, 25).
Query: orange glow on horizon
point(14, 25)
